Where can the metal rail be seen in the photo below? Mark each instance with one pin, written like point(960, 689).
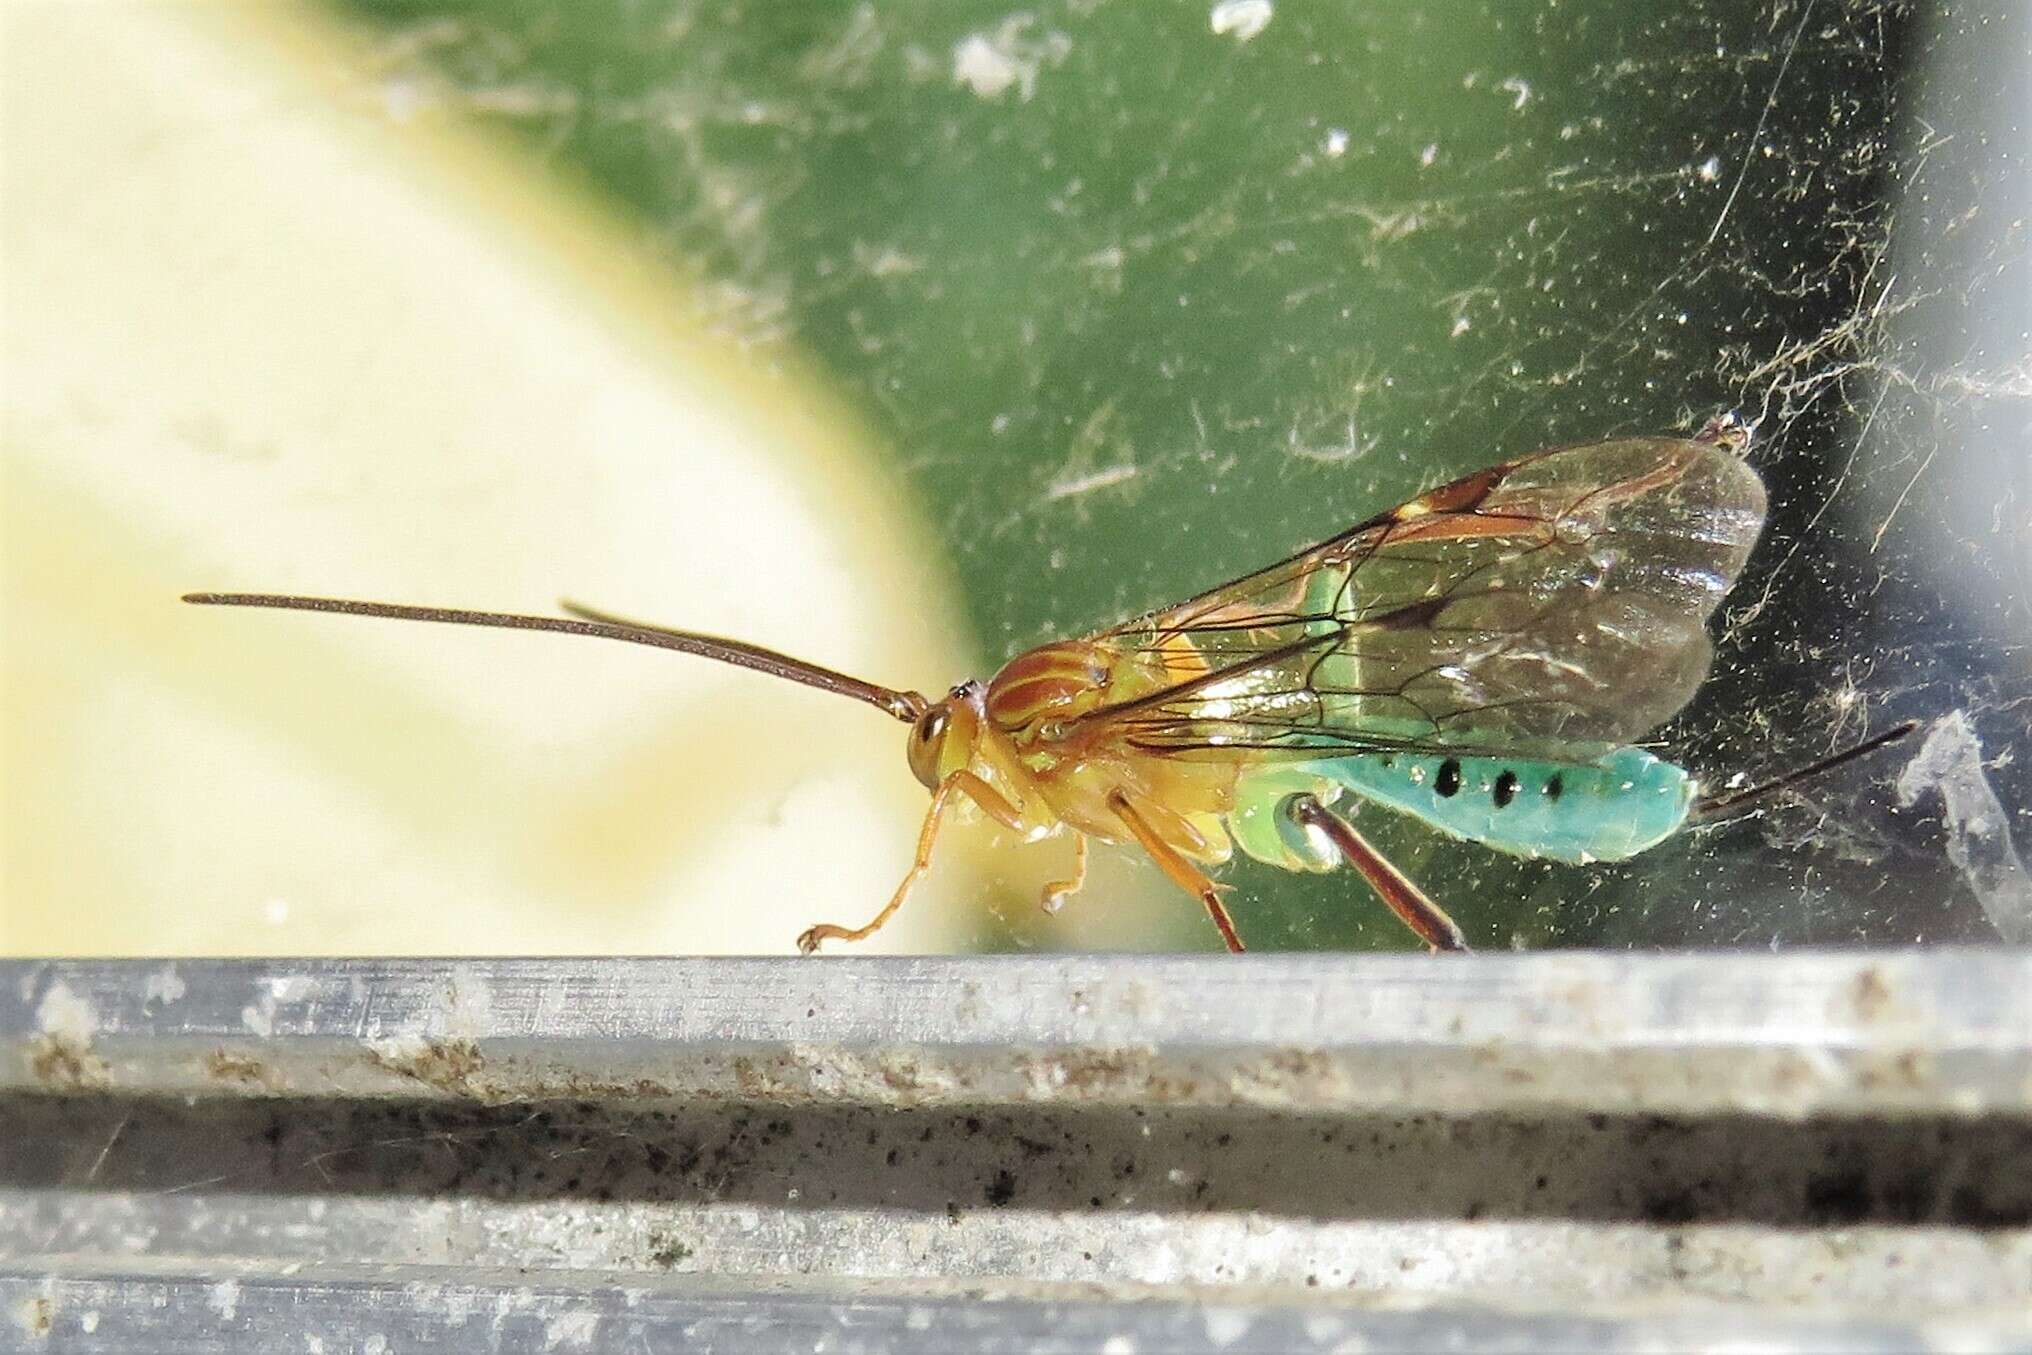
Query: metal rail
point(1278, 1152)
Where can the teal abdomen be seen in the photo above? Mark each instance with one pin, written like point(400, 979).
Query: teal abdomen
point(1604, 811)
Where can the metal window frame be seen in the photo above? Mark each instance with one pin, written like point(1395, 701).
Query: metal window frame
point(950, 1225)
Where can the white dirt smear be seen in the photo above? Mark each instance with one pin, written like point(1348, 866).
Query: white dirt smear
point(1950, 763)
point(1241, 19)
point(992, 64)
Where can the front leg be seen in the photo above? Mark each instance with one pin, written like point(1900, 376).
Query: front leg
point(961, 782)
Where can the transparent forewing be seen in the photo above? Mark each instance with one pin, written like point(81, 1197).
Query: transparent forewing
point(1553, 606)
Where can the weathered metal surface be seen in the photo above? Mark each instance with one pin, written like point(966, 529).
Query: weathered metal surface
point(1611, 1267)
point(1508, 1152)
point(1794, 1035)
point(84, 1312)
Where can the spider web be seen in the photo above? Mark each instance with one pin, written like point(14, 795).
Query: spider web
point(1147, 297)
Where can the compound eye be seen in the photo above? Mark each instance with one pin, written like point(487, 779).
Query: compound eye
point(927, 741)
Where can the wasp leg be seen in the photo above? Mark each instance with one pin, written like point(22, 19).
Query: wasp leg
point(959, 783)
point(1183, 873)
point(1410, 903)
point(1058, 891)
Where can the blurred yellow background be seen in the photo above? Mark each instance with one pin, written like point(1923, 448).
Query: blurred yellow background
point(253, 341)
point(900, 337)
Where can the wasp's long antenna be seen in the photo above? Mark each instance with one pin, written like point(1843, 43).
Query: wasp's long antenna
point(905, 706)
point(1709, 806)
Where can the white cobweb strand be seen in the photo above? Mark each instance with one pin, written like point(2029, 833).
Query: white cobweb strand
point(1978, 833)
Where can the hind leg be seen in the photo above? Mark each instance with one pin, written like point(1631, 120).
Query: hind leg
point(1411, 904)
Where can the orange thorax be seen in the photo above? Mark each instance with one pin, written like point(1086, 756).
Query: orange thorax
point(1036, 703)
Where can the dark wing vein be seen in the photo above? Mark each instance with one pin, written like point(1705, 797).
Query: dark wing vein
point(1554, 606)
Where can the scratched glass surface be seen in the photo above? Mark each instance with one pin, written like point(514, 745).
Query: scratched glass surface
point(1145, 297)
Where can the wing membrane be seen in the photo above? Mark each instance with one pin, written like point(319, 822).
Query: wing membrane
point(1553, 606)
